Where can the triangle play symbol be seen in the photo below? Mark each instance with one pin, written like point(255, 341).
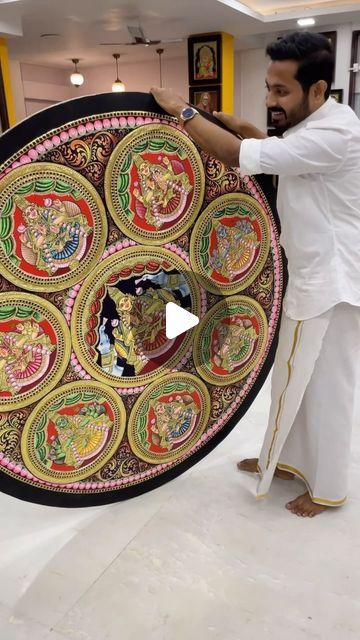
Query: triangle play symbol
point(178, 320)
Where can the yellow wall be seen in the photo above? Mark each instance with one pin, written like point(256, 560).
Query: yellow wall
point(227, 72)
point(4, 62)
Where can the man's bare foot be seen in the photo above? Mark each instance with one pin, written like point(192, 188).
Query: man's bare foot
point(303, 506)
point(251, 465)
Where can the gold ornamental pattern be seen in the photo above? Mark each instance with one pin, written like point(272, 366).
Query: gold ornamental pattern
point(118, 324)
point(230, 340)
point(230, 243)
point(52, 227)
point(34, 348)
point(73, 432)
point(169, 418)
point(154, 184)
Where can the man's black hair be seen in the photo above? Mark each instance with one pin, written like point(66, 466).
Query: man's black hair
point(312, 51)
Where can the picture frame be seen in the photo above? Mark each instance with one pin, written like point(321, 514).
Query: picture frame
point(4, 117)
point(207, 98)
point(337, 94)
point(204, 59)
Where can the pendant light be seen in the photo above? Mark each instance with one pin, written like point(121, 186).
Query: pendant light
point(76, 78)
point(160, 52)
point(117, 86)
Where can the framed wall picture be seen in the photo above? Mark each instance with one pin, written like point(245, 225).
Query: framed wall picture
point(206, 98)
point(337, 94)
point(4, 118)
point(204, 56)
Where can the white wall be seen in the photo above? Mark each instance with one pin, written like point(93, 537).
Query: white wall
point(137, 76)
point(36, 87)
point(250, 71)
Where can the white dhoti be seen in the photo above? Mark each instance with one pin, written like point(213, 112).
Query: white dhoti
point(313, 395)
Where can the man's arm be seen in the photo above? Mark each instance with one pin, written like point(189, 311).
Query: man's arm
point(214, 140)
point(241, 127)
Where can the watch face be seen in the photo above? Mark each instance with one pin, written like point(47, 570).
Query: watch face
point(187, 113)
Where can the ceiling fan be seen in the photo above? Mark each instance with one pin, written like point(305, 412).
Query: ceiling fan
point(138, 37)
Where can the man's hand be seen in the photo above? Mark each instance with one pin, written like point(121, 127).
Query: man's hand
point(230, 121)
point(169, 100)
point(240, 126)
point(213, 139)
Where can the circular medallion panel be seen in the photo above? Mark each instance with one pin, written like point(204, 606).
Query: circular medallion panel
point(154, 184)
point(118, 321)
point(62, 422)
point(34, 348)
point(230, 243)
point(73, 432)
point(230, 340)
point(52, 226)
point(169, 418)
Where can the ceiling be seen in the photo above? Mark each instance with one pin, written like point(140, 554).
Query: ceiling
point(51, 32)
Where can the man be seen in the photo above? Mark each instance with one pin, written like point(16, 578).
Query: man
point(318, 162)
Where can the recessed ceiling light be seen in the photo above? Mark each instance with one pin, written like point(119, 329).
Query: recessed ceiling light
point(306, 22)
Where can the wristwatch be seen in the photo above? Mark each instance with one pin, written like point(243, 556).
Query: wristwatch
point(186, 114)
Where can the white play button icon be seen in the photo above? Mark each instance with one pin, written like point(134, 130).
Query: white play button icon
point(178, 320)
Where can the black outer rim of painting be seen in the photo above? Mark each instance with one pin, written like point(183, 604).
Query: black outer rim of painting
point(21, 135)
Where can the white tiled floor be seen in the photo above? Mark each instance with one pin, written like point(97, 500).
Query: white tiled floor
point(197, 559)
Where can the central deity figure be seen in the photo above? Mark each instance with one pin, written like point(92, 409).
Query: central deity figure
point(24, 356)
point(236, 247)
point(138, 332)
point(53, 235)
point(162, 190)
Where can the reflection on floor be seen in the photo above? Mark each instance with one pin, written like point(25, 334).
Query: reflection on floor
point(198, 559)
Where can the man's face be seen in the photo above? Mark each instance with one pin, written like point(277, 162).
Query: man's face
point(285, 97)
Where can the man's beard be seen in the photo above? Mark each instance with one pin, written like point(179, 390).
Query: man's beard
point(296, 116)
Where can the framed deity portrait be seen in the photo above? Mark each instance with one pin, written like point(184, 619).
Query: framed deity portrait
point(337, 94)
point(206, 98)
point(204, 56)
point(4, 118)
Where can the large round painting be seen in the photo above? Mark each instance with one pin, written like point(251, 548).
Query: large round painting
point(109, 212)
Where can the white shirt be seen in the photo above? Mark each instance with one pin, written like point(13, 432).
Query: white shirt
point(318, 163)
